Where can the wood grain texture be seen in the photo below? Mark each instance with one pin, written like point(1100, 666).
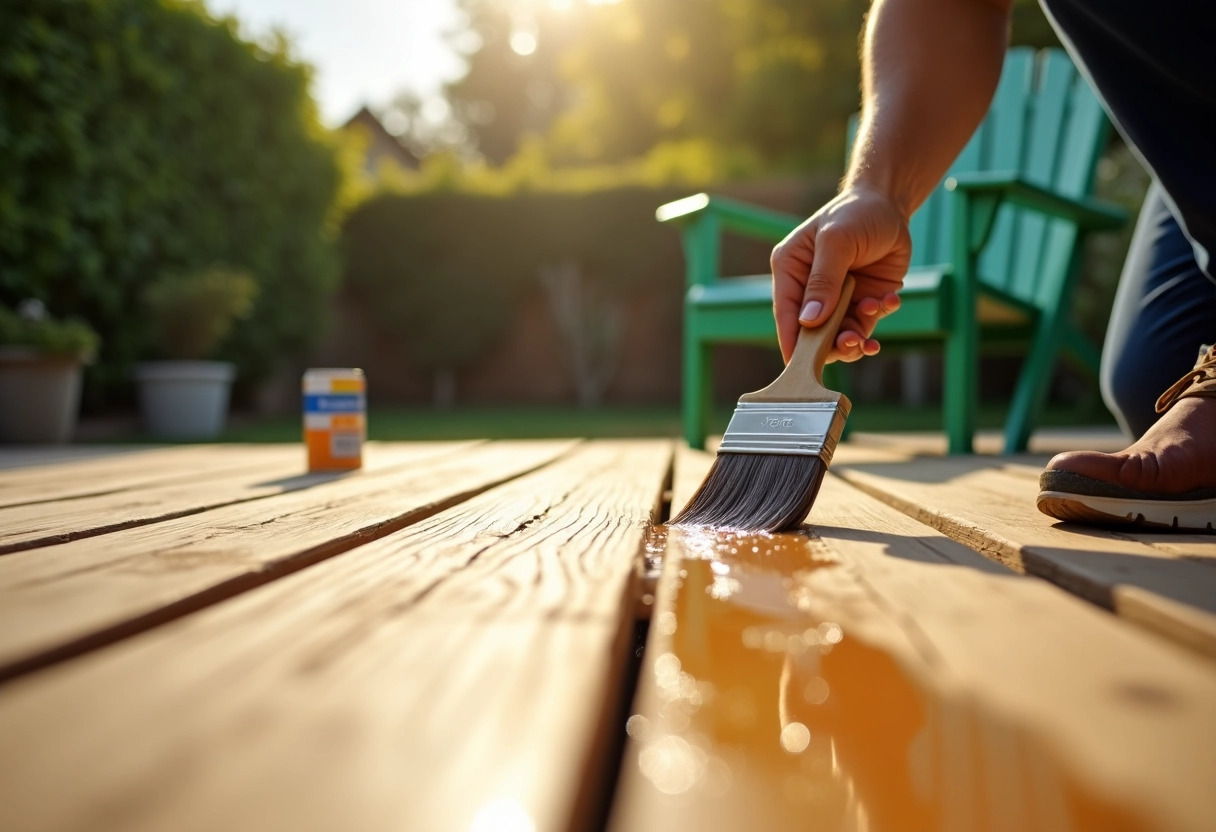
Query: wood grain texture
point(879, 675)
point(993, 511)
point(106, 470)
point(265, 472)
point(454, 675)
point(59, 600)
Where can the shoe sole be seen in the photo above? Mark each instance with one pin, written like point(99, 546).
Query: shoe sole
point(1183, 515)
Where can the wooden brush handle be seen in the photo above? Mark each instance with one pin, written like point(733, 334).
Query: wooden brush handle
point(802, 378)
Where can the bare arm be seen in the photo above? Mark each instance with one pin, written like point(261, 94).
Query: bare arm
point(929, 70)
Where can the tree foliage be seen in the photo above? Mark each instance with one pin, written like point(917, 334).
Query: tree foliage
point(141, 137)
point(607, 82)
point(505, 96)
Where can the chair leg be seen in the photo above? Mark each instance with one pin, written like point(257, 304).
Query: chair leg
point(1031, 390)
point(971, 221)
point(960, 389)
point(697, 387)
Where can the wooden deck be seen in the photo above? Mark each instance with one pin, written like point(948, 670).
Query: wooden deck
point(203, 638)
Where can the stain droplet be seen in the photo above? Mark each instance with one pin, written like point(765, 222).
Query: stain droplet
point(795, 738)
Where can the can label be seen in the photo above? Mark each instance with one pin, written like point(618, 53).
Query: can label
point(335, 418)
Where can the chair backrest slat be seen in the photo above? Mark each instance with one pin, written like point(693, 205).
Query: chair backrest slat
point(970, 158)
point(1086, 128)
point(1006, 123)
point(1047, 125)
point(1056, 79)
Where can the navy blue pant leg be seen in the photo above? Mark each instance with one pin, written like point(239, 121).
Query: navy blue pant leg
point(1153, 66)
point(1164, 310)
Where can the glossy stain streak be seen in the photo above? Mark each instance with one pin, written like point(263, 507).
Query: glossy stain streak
point(758, 712)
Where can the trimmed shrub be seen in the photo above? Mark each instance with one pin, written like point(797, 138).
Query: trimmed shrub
point(440, 275)
point(141, 137)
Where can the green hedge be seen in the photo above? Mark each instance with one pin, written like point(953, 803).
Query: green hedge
point(440, 274)
point(141, 137)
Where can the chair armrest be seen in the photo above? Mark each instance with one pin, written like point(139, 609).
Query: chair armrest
point(731, 215)
point(1090, 214)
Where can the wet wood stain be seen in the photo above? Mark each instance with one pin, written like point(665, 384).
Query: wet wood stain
point(755, 712)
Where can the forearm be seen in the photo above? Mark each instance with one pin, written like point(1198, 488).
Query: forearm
point(929, 70)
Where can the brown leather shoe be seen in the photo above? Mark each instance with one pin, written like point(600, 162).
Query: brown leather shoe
point(1167, 479)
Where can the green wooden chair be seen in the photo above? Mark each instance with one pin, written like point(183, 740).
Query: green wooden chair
point(996, 251)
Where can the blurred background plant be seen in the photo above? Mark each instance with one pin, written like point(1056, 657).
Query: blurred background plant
point(190, 315)
point(31, 326)
point(41, 366)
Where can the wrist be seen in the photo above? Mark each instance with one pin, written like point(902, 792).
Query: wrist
point(870, 186)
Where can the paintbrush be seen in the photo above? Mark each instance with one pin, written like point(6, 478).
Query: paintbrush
point(779, 443)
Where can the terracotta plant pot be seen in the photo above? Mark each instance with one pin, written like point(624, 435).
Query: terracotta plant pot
point(39, 395)
point(184, 399)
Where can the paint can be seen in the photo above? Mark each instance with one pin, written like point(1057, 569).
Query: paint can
point(335, 418)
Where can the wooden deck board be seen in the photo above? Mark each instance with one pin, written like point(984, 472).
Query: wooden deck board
point(957, 695)
point(121, 468)
point(266, 472)
point(453, 655)
point(454, 675)
point(58, 600)
point(1200, 548)
point(1045, 442)
point(16, 457)
point(989, 505)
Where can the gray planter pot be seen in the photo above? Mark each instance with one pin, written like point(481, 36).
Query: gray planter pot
point(39, 396)
point(184, 399)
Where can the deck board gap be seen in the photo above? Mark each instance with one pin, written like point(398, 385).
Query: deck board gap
point(663, 511)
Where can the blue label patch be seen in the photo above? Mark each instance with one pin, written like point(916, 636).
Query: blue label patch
point(333, 403)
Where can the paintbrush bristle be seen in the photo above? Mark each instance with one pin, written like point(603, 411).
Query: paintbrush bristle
point(755, 492)
point(779, 442)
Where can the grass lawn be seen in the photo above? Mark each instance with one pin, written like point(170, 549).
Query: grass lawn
point(498, 422)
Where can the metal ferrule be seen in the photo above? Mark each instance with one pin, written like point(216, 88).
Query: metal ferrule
point(808, 428)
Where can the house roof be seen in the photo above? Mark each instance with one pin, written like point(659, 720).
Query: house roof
point(383, 142)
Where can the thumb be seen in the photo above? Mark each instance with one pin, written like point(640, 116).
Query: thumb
point(830, 264)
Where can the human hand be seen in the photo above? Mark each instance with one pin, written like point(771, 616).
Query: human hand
point(860, 232)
